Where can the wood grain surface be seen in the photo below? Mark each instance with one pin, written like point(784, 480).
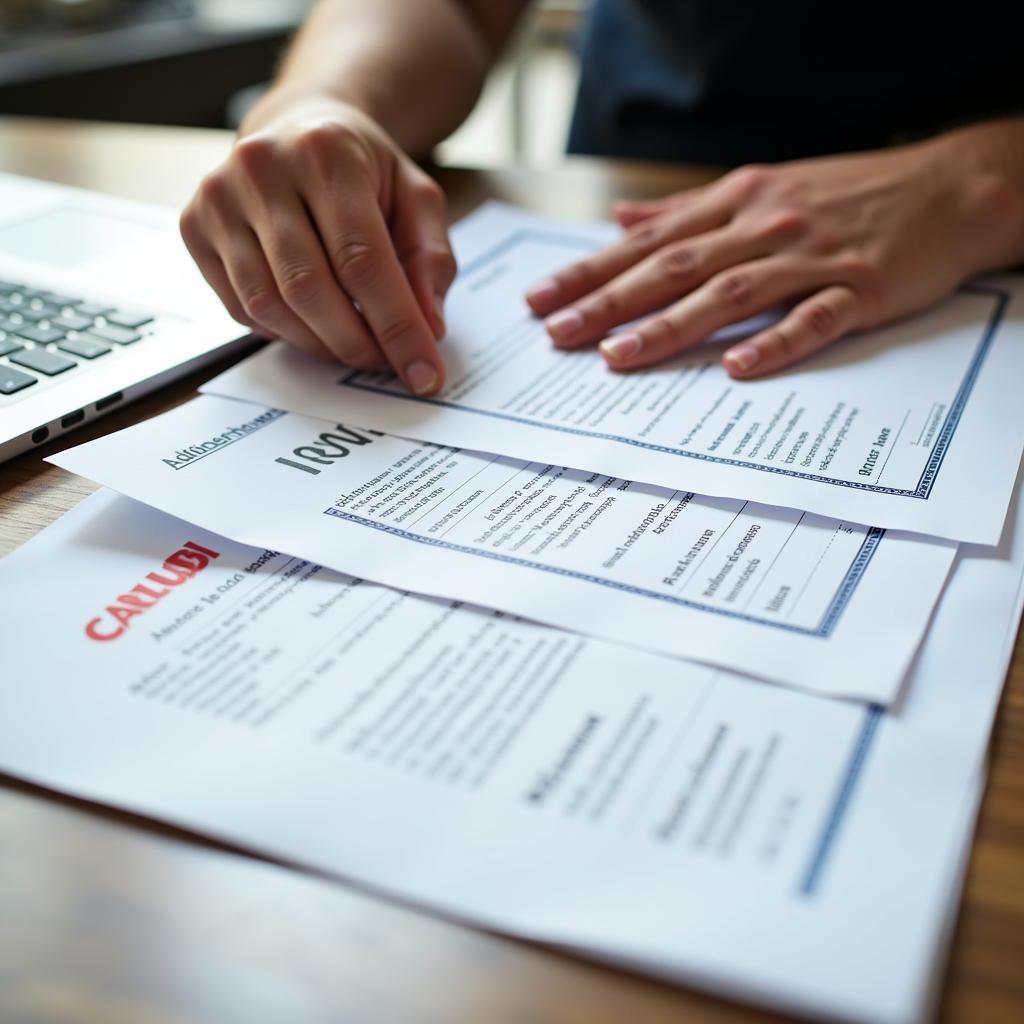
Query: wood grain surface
point(106, 917)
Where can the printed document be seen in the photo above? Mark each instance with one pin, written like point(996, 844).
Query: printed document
point(678, 820)
point(918, 426)
point(792, 597)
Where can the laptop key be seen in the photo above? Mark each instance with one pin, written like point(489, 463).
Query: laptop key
point(40, 335)
point(118, 335)
point(84, 346)
point(57, 299)
point(43, 361)
point(91, 309)
point(121, 318)
point(72, 322)
point(38, 308)
point(33, 316)
point(12, 380)
point(9, 345)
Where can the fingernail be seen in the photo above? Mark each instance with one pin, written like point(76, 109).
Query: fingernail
point(742, 358)
point(543, 292)
point(620, 347)
point(564, 325)
point(421, 377)
point(439, 325)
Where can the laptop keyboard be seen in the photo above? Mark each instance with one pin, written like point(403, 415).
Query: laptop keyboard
point(45, 334)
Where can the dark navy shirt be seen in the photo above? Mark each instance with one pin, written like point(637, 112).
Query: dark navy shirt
point(735, 81)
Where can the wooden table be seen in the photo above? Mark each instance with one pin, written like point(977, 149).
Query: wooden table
point(106, 917)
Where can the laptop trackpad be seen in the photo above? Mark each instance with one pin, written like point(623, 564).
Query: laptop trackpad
point(68, 238)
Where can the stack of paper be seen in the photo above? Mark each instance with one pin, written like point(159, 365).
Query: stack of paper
point(651, 683)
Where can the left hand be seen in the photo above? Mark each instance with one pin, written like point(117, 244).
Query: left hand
point(854, 241)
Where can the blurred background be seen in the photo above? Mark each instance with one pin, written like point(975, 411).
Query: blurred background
point(201, 63)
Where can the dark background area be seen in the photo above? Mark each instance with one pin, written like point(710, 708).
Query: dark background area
point(184, 62)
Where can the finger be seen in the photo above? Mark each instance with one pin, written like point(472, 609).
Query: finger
point(810, 326)
point(728, 298)
point(306, 283)
point(579, 279)
point(419, 228)
point(218, 234)
point(253, 283)
point(268, 201)
point(632, 211)
point(212, 268)
point(665, 276)
point(365, 263)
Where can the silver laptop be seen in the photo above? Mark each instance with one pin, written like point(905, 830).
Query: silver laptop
point(99, 303)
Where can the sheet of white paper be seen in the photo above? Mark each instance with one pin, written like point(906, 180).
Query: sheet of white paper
point(686, 822)
point(917, 426)
point(790, 597)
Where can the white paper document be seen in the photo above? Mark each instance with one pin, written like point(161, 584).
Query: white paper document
point(791, 597)
point(918, 426)
point(683, 821)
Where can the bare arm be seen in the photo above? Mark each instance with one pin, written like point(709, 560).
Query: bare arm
point(415, 66)
point(319, 228)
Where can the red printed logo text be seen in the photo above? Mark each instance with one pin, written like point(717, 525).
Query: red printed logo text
point(176, 570)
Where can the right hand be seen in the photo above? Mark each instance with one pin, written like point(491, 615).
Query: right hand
point(319, 230)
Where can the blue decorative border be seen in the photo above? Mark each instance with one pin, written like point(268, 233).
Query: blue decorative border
point(824, 628)
point(854, 769)
point(928, 475)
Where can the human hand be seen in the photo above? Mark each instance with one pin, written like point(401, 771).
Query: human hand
point(854, 241)
point(319, 230)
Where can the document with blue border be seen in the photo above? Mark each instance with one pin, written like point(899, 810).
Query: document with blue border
point(795, 598)
point(918, 426)
point(678, 820)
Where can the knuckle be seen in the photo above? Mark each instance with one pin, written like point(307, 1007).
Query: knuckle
point(442, 261)
point(750, 179)
point(579, 278)
point(678, 263)
point(261, 305)
point(394, 334)
point(326, 146)
point(254, 154)
point(188, 225)
point(822, 242)
point(300, 286)
point(864, 276)
point(993, 201)
point(783, 225)
point(213, 190)
point(659, 331)
point(318, 139)
point(604, 307)
point(778, 345)
point(431, 192)
point(642, 240)
point(353, 262)
point(733, 289)
point(820, 320)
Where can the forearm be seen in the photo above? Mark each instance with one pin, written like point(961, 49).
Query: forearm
point(415, 66)
point(989, 158)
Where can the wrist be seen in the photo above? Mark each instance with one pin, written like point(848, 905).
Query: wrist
point(984, 168)
point(286, 103)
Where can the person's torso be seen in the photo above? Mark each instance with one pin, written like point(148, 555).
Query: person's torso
point(735, 81)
